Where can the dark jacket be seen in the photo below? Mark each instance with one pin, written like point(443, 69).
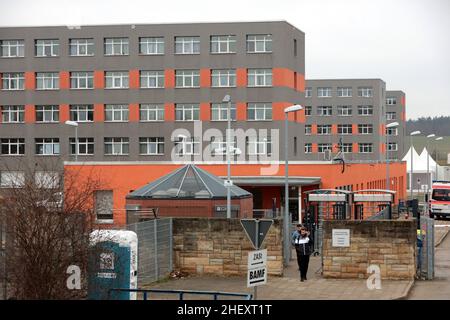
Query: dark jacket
point(304, 249)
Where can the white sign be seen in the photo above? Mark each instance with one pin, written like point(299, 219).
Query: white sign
point(228, 183)
point(256, 277)
point(341, 237)
point(257, 259)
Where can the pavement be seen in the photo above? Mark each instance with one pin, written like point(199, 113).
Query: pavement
point(289, 286)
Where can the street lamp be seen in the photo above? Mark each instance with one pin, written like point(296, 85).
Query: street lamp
point(286, 239)
point(388, 126)
point(428, 160)
point(411, 185)
point(436, 156)
point(227, 100)
point(74, 124)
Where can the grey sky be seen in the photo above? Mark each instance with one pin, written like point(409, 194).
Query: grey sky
point(404, 42)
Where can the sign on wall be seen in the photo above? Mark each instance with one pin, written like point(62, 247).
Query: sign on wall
point(341, 237)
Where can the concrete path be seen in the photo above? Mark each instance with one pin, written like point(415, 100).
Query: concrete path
point(289, 286)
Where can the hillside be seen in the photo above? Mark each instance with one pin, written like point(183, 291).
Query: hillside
point(440, 126)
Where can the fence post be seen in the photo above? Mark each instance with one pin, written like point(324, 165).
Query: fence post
point(170, 245)
point(155, 243)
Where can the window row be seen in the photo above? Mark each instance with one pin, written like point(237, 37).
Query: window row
point(120, 46)
point(342, 129)
point(343, 92)
point(342, 111)
point(344, 148)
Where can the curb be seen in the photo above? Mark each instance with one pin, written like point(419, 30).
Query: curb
point(442, 238)
point(406, 292)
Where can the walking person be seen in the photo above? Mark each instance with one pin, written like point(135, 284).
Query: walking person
point(302, 243)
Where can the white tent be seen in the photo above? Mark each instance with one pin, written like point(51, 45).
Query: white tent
point(423, 161)
point(416, 159)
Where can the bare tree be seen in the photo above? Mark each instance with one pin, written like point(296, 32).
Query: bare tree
point(47, 219)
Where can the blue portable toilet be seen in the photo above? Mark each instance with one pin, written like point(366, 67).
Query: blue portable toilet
point(112, 264)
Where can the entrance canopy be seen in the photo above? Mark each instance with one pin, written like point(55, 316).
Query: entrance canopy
point(275, 181)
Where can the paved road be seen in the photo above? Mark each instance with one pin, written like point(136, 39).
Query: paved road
point(439, 288)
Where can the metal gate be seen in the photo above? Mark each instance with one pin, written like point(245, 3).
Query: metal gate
point(425, 249)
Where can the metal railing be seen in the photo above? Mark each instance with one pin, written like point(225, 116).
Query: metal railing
point(181, 293)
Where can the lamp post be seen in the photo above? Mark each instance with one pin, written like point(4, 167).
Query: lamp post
point(227, 100)
point(428, 160)
point(411, 184)
point(436, 156)
point(74, 124)
point(389, 126)
point(286, 239)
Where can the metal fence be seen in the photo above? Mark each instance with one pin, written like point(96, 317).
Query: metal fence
point(425, 249)
point(155, 249)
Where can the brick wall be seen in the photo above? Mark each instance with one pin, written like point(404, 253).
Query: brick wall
point(220, 246)
point(389, 244)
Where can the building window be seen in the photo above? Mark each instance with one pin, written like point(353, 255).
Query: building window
point(308, 129)
point(187, 78)
point(365, 148)
point(187, 146)
point(324, 92)
point(392, 146)
point(85, 146)
point(13, 81)
point(219, 112)
point(391, 116)
point(324, 147)
point(308, 111)
point(344, 92)
point(13, 114)
point(325, 111)
point(116, 80)
point(344, 111)
point(150, 112)
point(219, 146)
point(259, 43)
point(12, 146)
point(223, 44)
point(365, 128)
point(151, 146)
point(308, 147)
point(47, 146)
point(47, 48)
point(153, 45)
point(82, 113)
point(81, 47)
point(259, 146)
point(12, 179)
point(116, 113)
point(117, 146)
point(116, 46)
point(324, 129)
point(81, 80)
point(12, 48)
point(391, 101)
point(187, 45)
point(259, 111)
point(47, 81)
point(187, 112)
point(345, 129)
point(152, 79)
point(347, 148)
point(366, 92)
point(47, 179)
point(259, 77)
point(393, 132)
point(308, 92)
point(47, 114)
point(104, 205)
point(223, 78)
point(365, 110)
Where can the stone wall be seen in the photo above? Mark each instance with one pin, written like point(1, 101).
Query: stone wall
point(389, 244)
point(220, 246)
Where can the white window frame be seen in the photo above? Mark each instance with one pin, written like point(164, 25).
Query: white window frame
point(187, 146)
point(118, 46)
point(259, 146)
point(225, 42)
point(149, 109)
point(262, 43)
point(323, 129)
point(392, 132)
point(13, 81)
point(391, 101)
point(365, 147)
point(308, 111)
point(392, 147)
point(308, 129)
point(79, 78)
point(344, 111)
point(187, 78)
point(188, 45)
point(81, 112)
point(308, 92)
point(83, 143)
point(325, 111)
point(80, 45)
point(344, 92)
point(347, 148)
point(365, 129)
point(13, 114)
point(47, 179)
point(8, 45)
point(391, 116)
point(116, 113)
point(188, 112)
point(308, 148)
point(259, 78)
point(154, 77)
point(117, 80)
point(365, 111)
point(13, 144)
point(365, 92)
point(48, 111)
point(152, 45)
point(324, 92)
point(42, 45)
point(120, 146)
point(323, 147)
point(223, 78)
point(345, 129)
point(12, 179)
point(261, 111)
point(50, 146)
point(219, 112)
point(155, 143)
point(47, 81)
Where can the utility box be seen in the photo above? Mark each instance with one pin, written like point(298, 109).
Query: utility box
point(112, 264)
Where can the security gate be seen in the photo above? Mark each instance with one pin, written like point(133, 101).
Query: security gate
point(373, 204)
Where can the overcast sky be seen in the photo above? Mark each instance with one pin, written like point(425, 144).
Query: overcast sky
point(404, 42)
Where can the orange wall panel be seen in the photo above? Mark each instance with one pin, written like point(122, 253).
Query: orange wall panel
point(314, 129)
point(169, 112)
point(64, 80)
point(334, 129)
point(278, 110)
point(64, 113)
point(241, 77)
point(403, 101)
point(382, 148)
point(30, 113)
point(301, 117)
point(355, 129)
point(169, 78)
point(133, 112)
point(355, 147)
point(382, 130)
point(205, 78)
point(301, 82)
point(134, 79)
point(241, 111)
point(99, 112)
point(315, 148)
point(205, 111)
point(283, 77)
point(30, 80)
point(99, 79)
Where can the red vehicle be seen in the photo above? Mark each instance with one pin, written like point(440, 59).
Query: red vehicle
point(440, 199)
